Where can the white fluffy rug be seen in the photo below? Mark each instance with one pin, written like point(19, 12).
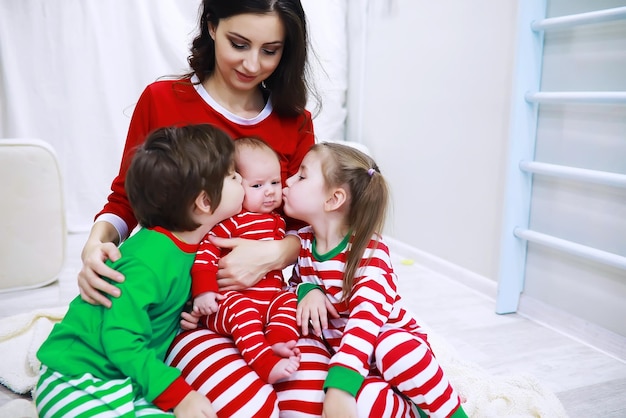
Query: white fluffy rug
point(486, 395)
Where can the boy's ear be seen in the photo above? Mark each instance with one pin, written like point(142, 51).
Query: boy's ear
point(336, 199)
point(203, 203)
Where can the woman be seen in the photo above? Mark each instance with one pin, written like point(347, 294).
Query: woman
point(248, 78)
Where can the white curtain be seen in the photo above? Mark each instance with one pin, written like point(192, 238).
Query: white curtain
point(72, 70)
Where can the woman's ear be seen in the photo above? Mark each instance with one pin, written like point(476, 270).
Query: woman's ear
point(203, 204)
point(336, 199)
point(212, 29)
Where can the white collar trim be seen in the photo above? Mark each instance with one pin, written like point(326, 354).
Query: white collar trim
point(267, 110)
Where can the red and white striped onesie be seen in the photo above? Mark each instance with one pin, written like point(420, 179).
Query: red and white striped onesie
point(256, 317)
point(374, 334)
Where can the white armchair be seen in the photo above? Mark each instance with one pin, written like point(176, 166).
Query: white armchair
point(32, 215)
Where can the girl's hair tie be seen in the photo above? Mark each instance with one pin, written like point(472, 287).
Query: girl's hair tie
point(371, 172)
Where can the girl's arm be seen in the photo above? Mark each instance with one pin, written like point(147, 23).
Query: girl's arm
point(250, 260)
point(339, 403)
point(370, 305)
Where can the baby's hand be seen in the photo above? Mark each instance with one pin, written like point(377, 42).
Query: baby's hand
point(206, 303)
point(312, 310)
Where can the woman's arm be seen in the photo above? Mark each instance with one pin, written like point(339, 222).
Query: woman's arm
point(250, 260)
point(100, 246)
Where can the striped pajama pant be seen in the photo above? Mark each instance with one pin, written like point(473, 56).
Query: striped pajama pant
point(255, 325)
point(60, 396)
point(212, 365)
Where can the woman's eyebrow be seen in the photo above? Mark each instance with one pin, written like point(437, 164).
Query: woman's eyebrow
point(277, 43)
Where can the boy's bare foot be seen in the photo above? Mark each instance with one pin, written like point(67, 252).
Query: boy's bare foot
point(286, 350)
point(283, 369)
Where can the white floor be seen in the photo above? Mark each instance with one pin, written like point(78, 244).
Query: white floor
point(588, 382)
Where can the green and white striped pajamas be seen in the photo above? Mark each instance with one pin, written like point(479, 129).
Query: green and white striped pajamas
point(57, 395)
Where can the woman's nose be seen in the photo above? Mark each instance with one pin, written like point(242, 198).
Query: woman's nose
point(251, 62)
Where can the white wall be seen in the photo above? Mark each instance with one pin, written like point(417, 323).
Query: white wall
point(430, 96)
point(585, 58)
point(434, 111)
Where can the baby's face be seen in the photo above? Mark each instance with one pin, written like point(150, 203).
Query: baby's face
point(260, 172)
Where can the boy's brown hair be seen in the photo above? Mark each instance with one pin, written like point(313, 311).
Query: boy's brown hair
point(171, 168)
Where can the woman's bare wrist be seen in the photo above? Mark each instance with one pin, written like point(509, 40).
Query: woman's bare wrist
point(290, 247)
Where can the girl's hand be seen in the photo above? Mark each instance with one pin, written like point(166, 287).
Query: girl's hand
point(93, 287)
point(339, 404)
point(313, 310)
point(250, 260)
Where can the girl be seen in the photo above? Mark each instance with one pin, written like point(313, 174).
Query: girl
point(344, 267)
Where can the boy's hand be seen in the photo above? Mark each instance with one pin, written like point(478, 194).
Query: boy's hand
point(194, 405)
point(189, 320)
point(313, 310)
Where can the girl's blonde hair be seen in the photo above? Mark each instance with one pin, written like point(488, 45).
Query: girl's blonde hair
point(368, 196)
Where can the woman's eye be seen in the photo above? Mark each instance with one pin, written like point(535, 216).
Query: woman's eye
point(236, 45)
point(270, 51)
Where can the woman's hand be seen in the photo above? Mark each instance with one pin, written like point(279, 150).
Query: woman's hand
point(339, 404)
point(250, 260)
point(313, 310)
point(93, 287)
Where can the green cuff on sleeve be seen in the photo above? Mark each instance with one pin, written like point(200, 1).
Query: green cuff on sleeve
point(345, 379)
point(304, 288)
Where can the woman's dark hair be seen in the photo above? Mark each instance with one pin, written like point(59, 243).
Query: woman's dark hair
point(288, 83)
point(171, 168)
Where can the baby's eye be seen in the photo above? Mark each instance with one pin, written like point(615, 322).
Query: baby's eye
point(256, 186)
point(274, 183)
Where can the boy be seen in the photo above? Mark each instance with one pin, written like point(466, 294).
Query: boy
point(180, 183)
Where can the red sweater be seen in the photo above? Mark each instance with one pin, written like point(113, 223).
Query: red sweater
point(178, 102)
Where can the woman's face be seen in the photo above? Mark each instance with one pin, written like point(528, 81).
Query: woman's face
point(248, 48)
